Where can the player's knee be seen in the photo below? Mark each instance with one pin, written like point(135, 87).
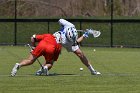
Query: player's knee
point(80, 54)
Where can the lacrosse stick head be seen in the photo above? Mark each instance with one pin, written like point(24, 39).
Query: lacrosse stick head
point(95, 33)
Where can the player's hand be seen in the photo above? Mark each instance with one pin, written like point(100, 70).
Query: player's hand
point(32, 48)
point(86, 34)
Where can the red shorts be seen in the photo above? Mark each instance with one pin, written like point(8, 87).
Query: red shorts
point(49, 51)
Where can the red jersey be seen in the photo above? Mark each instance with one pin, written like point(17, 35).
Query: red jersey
point(48, 47)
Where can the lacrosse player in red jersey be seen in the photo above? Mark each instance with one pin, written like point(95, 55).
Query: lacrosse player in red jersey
point(48, 46)
point(70, 41)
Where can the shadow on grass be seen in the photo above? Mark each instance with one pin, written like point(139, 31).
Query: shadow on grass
point(30, 75)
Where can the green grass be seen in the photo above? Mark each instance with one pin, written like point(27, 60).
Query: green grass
point(120, 70)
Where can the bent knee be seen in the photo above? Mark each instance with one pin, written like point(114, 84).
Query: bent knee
point(80, 54)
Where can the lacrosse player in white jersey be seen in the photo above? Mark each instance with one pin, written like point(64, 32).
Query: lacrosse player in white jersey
point(70, 41)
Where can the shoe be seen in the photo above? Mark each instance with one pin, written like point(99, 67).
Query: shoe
point(95, 73)
point(39, 72)
point(46, 71)
point(14, 70)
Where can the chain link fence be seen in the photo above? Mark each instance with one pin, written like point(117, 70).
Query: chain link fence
point(17, 30)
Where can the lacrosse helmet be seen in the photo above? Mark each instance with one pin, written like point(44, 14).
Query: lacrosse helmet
point(57, 36)
point(71, 34)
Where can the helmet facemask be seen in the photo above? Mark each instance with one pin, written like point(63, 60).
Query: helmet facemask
point(58, 37)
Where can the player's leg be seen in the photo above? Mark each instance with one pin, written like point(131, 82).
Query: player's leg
point(30, 60)
point(49, 57)
point(46, 67)
point(85, 61)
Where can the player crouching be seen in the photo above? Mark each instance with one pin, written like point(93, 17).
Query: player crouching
point(48, 46)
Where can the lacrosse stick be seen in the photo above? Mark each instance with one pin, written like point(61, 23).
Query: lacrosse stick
point(31, 48)
point(95, 33)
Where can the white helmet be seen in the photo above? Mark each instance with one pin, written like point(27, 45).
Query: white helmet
point(71, 34)
point(58, 36)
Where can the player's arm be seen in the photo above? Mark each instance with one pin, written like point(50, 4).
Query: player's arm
point(80, 39)
point(86, 34)
point(37, 38)
point(33, 40)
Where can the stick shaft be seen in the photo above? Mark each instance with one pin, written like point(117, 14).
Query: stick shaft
point(80, 30)
point(36, 59)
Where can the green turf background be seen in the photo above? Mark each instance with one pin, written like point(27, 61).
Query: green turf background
point(120, 70)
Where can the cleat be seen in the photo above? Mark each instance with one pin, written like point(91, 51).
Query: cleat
point(95, 73)
point(14, 70)
point(39, 72)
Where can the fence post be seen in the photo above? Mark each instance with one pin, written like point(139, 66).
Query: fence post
point(111, 28)
point(15, 25)
point(81, 32)
point(48, 27)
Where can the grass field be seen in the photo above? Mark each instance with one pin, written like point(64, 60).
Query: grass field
point(120, 70)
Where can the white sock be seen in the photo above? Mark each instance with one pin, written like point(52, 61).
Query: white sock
point(18, 65)
point(46, 73)
point(91, 68)
point(45, 67)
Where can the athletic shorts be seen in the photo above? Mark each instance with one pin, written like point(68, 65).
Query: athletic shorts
point(49, 51)
point(71, 48)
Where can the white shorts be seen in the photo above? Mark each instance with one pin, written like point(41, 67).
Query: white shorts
point(71, 48)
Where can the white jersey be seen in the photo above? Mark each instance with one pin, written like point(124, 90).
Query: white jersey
point(65, 42)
